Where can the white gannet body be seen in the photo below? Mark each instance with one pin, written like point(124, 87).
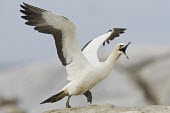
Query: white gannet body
point(83, 67)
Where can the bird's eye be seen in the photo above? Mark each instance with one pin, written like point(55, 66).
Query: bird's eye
point(121, 46)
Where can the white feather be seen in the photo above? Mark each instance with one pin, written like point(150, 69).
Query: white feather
point(91, 50)
point(74, 57)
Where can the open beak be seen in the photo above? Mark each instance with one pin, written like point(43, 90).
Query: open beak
point(123, 49)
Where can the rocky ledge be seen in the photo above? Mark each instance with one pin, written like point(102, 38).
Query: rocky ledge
point(108, 108)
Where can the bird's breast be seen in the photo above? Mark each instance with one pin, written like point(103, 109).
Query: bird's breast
point(87, 81)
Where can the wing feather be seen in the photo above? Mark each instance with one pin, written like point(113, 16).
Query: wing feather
point(91, 48)
point(63, 31)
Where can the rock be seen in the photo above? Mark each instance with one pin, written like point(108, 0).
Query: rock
point(108, 108)
point(158, 81)
point(151, 72)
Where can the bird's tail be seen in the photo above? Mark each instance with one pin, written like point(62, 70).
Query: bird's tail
point(56, 97)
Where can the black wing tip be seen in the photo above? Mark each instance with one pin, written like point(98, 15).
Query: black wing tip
point(115, 33)
point(24, 17)
point(121, 29)
point(22, 6)
point(25, 4)
point(21, 11)
point(28, 6)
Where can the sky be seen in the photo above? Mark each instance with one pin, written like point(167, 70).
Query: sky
point(147, 23)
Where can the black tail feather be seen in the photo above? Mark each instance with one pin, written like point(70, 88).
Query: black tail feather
point(56, 97)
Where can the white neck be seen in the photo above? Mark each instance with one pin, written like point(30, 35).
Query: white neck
point(112, 58)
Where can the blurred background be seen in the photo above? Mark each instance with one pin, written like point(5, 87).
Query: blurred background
point(30, 70)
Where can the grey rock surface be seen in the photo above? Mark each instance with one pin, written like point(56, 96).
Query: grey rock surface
point(108, 108)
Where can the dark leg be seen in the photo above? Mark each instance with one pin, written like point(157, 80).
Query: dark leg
point(89, 96)
point(67, 104)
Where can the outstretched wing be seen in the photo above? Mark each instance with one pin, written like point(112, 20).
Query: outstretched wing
point(63, 31)
point(91, 48)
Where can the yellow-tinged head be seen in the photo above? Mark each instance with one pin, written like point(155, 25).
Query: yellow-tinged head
point(121, 48)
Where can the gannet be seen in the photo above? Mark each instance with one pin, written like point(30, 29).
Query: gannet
point(82, 65)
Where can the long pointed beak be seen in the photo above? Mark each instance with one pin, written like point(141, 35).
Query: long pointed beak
point(123, 49)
